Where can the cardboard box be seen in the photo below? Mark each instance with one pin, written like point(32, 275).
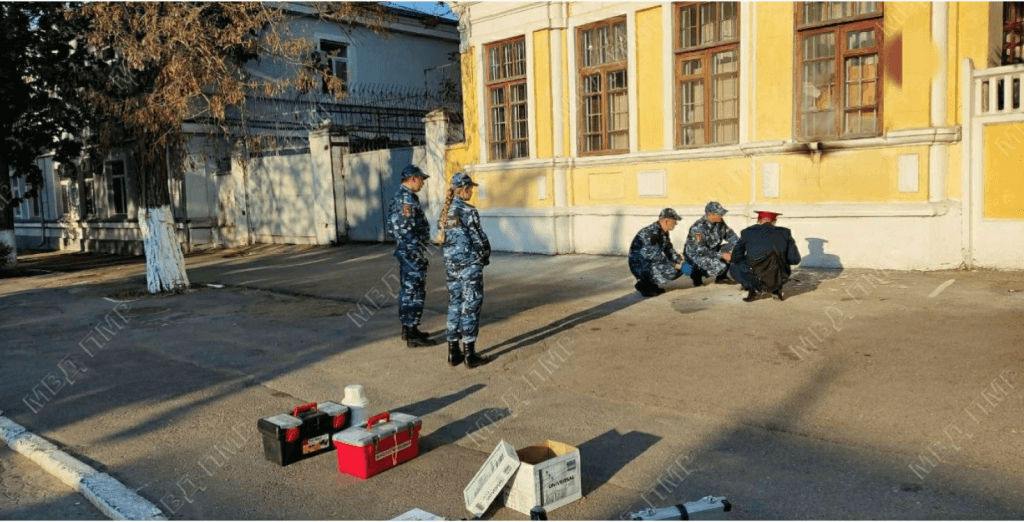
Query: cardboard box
point(491, 478)
point(549, 476)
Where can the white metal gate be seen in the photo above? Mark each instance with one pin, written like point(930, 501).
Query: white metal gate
point(371, 179)
point(991, 100)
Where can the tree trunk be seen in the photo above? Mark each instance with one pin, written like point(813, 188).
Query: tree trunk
point(165, 264)
point(7, 237)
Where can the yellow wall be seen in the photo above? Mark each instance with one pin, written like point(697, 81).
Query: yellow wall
point(1004, 171)
point(689, 183)
point(773, 52)
point(514, 189)
point(543, 126)
point(971, 42)
point(467, 152)
point(869, 175)
point(854, 176)
point(906, 106)
point(650, 79)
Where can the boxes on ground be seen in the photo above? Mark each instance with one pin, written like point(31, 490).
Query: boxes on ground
point(491, 478)
point(304, 433)
point(365, 452)
point(545, 474)
point(549, 477)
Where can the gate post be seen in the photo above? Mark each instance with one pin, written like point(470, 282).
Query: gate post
point(436, 130)
point(966, 163)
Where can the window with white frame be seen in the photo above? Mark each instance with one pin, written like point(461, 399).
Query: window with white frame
point(89, 194)
point(707, 47)
point(118, 184)
point(603, 87)
point(508, 122)
point(336, 62)
point(65, 197)
point(34, 204)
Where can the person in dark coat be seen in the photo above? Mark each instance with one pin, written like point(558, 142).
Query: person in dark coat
point(762, 258)
point(652, 258)
point(408, 225)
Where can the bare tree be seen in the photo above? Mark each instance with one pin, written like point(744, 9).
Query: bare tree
point(161, 64)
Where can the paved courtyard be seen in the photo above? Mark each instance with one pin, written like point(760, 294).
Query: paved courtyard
point(865, 395)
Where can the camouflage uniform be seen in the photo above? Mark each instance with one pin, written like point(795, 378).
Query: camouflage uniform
point(652, 256)
point(704, 246)
point(466, 252)
point(408, 225)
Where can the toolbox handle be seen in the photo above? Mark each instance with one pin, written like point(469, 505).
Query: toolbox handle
point(386, 417)
point(304, 407)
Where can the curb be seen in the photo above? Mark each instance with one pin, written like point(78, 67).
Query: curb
point(107, 494)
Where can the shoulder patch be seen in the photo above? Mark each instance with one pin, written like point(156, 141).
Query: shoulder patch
point(407, 210)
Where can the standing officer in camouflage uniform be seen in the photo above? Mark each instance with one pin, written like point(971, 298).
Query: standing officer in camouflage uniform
point(466, 252)
point(408, 225)
point(652, 258)
point(709, 245)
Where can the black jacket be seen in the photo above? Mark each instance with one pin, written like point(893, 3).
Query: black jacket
point(758, 240)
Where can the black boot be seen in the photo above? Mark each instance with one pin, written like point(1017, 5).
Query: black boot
point(455, 356)
point(415, 342)
point(778, 293)
point(472, 359)
point(646, 288)
point(751, 295)
point(697, 279)
point(415, 332)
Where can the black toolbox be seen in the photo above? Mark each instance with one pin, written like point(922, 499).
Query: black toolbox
point(304, 433)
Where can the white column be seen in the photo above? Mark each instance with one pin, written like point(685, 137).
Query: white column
point(557, 18)
point(563, 225)
point(668, 77)
point(938, 161)
point(632, 83)
point(966, 163)
point(433, 193)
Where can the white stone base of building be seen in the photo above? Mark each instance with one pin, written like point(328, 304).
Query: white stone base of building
point(895, 236)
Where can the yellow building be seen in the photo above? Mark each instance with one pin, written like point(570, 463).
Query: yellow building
point(888, 135)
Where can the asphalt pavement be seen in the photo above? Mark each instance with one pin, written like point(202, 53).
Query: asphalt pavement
point(864, 395)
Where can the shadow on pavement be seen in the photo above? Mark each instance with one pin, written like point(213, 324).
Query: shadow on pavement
point(467, 426)
point(562, 325)
point(770, 467)
point(428, 406)
point(603, 456)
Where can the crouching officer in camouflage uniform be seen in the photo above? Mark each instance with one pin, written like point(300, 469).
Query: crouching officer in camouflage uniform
point(408, 225)
point(466, 252)
point(709, 245)
point(762, 258)
point(652, 258)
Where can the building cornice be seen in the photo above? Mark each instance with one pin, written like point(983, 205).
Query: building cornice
point(911, 137)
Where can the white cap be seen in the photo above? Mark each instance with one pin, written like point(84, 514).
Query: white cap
point(354, 396)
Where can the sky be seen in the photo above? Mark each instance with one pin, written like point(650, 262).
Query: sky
point(434, 8)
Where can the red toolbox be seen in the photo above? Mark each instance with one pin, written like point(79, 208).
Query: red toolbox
point(304, 433)
point(365, 452)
